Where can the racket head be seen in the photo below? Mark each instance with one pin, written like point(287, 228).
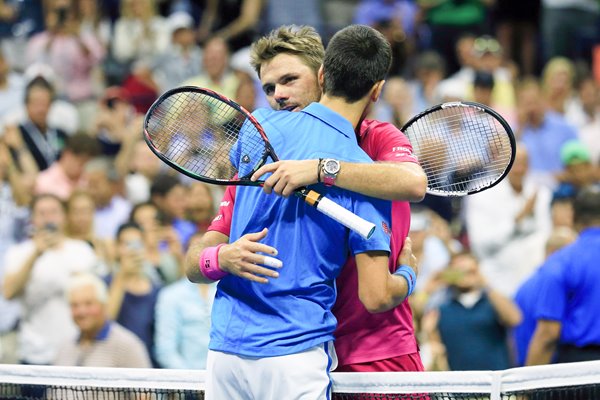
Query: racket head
point(196, 131)
point(463, 147)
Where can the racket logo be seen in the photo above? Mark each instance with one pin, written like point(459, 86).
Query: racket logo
point(246, 159)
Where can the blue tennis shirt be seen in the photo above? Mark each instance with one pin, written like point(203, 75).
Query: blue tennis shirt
point(293, 312)
point(569, 290)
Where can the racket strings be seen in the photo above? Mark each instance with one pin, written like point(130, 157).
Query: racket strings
point(461, 149)
point(199, 133)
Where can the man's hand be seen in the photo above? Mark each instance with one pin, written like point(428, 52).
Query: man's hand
point(407, 257)
point(288, 175)
point(45, 239)
point(241, 258)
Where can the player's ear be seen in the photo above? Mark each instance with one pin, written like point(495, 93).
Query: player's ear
point(377, 89)
point(321, 77)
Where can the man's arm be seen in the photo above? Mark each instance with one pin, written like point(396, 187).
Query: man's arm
point(378, 289)
point(15, 282)
point(385, 180)
point(543, 343)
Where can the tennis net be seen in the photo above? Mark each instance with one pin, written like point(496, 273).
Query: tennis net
point(577, 381)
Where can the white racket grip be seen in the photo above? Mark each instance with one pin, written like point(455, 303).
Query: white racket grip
point(346, 217)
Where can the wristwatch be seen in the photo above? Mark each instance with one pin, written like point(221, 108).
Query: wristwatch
point(331, 169)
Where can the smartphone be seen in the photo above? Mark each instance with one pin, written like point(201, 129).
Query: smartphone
point(135, 245)
point(61, 16)
point(51, 227)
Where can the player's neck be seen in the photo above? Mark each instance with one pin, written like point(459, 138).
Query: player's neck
point(351, 111)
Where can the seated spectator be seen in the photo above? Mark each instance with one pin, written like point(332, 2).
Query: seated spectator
point(578, 172)
point(103, 183)
point(37, 272)
point(43, 141)
point(141, 86)
point(64, 175)
point(133, 287)
point(115, 120)
point(72, 54)
point(217, 74)
point(183, 324)
point(80, 225)
point(472, 318)
point(429, 71)
point(142, 168)
point(542, 131)
point(558, 79)
point(20, 167)
point(200, 208)
point(139, 32)
point(12, 89)
point(163, 248)
point(483, 89)
point(584, 113)
point(170, 195)
point(101, 342)
point(13, 216)
point(182, 60)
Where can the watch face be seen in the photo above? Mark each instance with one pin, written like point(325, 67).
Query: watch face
point(331, 166)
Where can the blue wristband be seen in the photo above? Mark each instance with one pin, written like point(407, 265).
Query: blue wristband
point(409, 274)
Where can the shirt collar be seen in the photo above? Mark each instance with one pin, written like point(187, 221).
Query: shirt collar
point(103, 332)
point(331, 118)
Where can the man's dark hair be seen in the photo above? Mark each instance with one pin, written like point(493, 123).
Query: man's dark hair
point(126, 226)
point(163, 184)
point(356, 58)
point(37, 198)
point(82, 144)
point(38, 82)
point(587, 206)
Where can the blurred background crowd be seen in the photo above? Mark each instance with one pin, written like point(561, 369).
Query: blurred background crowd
point(81, 192)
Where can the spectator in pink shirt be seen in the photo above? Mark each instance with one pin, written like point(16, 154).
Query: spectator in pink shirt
point(64, 175)
point(71, 53)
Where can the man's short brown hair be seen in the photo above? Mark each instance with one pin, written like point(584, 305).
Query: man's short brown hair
point(302, 41)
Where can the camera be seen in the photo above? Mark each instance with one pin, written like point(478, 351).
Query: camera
point(135, 245)
point(61, 16)
point(51, 227)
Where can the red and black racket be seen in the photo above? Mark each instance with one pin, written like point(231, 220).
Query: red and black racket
point(196, 131)
point(463, 147)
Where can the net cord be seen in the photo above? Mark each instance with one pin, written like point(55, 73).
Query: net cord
point(492, 382)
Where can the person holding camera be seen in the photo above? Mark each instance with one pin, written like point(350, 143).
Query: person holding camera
point(133, 286)
point(37, 272)
point(72, 53)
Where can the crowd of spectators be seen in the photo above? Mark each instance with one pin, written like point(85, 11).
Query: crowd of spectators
point(81, 193)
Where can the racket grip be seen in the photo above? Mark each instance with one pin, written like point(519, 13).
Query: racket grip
point(346, 217)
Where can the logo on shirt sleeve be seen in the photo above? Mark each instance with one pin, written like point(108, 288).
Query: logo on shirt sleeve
point(386, 228)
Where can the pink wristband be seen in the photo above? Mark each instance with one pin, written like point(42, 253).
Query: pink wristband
point(209, 263)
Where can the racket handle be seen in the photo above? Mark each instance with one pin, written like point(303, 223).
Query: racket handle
point(346, 217)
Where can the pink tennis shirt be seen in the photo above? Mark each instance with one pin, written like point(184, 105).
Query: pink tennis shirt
point(362, 336)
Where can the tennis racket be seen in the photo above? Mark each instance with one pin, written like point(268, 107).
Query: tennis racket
point(208, 137)
point(463, 147)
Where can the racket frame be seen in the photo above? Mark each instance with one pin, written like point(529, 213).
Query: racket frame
point(313, 198)
point(480, 107)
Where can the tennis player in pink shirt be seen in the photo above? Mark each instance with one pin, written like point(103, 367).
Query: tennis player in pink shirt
point(287, 61)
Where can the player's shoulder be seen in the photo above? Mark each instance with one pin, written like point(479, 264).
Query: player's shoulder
point(371, 127)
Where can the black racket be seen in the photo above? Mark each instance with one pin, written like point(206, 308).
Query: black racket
point(463, 147)
point(200, 133)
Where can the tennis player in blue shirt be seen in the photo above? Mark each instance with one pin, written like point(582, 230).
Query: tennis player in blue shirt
point(273, 341)
point(569, 293)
